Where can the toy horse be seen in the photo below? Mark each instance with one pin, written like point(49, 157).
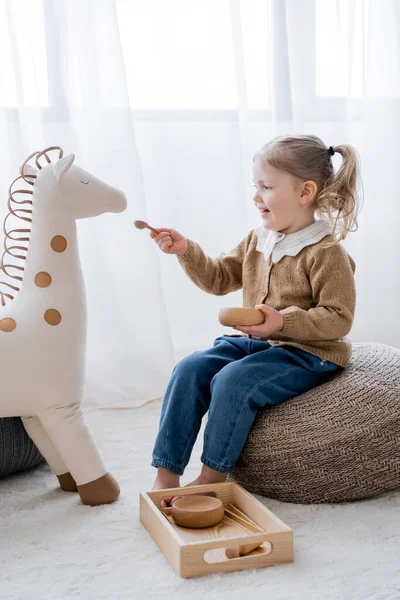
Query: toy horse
point(43, 317)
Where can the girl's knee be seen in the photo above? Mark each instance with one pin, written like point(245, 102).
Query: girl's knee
point(227, 379)
point(195, 363)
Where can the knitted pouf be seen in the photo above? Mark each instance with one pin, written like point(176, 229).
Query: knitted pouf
point(337, 442)
point(17, 451)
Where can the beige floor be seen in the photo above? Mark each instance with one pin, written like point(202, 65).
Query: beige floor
point(51, 547)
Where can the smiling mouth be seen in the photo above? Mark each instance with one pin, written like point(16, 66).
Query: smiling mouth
point(264, 212)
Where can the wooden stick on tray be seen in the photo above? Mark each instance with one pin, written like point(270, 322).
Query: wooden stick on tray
point(236, 515)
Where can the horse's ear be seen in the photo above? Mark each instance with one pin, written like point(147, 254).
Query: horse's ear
point(62, 165)
point(29, 170)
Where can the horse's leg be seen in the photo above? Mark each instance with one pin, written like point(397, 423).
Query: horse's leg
point(38, 435)
point(70, 434)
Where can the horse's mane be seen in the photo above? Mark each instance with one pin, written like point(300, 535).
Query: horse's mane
point(20, 235)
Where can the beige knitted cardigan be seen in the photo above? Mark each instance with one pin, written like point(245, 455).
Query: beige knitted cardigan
point(314, 290)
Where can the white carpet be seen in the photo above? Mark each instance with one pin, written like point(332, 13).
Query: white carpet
point(52, 547)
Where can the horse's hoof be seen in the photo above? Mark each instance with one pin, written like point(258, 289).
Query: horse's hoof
point(67, 482)
point(103, 490)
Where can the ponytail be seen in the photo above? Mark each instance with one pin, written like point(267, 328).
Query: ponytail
point(338, 200)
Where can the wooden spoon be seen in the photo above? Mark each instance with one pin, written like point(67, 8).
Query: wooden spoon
point(144, 225)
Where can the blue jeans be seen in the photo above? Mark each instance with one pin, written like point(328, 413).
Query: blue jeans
point(232, 380)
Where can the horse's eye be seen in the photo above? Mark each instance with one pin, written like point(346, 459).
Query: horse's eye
point(84, 182)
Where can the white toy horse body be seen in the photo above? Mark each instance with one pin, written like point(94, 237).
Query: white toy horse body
point(43, 328)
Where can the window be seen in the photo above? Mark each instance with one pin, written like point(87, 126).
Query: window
point(352, 37)
point(184, 55)
point(180, 54)
point(23, 54)
point(339, 48)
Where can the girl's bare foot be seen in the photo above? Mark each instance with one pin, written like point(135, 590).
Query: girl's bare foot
point(166, 479)
point(200, 481)
point(206, 476)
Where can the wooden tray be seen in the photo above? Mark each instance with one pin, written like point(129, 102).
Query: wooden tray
point(194, 552)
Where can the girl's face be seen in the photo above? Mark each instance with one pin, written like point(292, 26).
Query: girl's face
point(284, 203)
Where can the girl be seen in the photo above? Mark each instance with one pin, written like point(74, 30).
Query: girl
point(293, 268)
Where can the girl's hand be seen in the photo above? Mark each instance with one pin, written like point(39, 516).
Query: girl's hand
point(170, 241)
point(273, 322)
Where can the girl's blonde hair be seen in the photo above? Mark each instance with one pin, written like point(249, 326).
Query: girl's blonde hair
point(307, 158)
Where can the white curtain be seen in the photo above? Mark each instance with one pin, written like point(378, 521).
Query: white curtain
point(169, 101)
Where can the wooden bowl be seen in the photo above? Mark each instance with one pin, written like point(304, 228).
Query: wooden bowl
point(240, 316)
point(197, 511)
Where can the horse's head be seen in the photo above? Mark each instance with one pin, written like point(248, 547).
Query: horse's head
point(85, 194)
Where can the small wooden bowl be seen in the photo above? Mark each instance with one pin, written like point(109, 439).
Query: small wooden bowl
point(240, 316)
point(197, 511)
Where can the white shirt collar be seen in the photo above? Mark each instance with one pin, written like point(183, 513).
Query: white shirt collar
point(278, 245)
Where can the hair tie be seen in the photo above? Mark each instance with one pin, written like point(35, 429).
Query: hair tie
point(331, 150)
